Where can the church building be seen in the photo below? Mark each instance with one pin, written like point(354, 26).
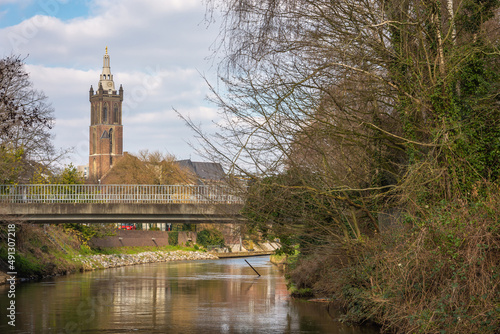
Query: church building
point(106, 129)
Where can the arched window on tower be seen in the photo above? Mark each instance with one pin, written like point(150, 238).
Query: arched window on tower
point(105, 113)
point(115, 113)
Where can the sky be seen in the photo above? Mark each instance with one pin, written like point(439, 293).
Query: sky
point(160, 51)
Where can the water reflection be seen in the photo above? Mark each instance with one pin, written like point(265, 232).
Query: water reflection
point(217, 296)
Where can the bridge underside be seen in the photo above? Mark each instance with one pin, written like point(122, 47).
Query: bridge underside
point(122, 212)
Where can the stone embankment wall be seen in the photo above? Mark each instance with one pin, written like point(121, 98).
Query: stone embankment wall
point(139, 238)
point(100, 261)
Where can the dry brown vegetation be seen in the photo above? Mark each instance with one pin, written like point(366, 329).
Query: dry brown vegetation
point(440, 275)
point(148, 168)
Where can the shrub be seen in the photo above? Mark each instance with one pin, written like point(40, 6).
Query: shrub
point(173, 238)
point(440, 274)
point(86, 232)
point(210, 237)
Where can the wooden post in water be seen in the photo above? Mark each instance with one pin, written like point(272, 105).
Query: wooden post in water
point(252, 268)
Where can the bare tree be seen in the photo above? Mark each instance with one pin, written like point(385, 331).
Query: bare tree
point(148, 168)
point(26, 119)
point(366, 95)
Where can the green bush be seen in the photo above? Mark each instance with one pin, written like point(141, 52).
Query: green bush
point(27, 266)
point(173, 238)
point(84, 232)
point(210, 237)
point(189, 227)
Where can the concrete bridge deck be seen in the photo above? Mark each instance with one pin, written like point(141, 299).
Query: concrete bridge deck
point(122, 212)
point(106, 204)
point(116, 212)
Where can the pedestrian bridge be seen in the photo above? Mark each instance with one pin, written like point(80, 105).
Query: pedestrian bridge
point(60, 203)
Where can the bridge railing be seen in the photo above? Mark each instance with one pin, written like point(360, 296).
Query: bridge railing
point(113, 193)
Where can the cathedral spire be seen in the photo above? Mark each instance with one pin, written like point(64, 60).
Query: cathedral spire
point(106, 79)
point(106, 128)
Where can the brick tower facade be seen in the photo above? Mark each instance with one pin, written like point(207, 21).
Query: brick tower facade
point(106, 129)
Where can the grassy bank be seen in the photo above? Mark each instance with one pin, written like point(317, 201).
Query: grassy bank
point(51, 250)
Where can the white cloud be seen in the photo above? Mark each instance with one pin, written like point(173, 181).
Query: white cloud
point(139, 7)
point(157, 31)
point(157, 50)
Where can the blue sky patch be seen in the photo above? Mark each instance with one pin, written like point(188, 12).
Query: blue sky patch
point(14, 13)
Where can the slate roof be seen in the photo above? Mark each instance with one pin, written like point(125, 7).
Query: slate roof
point(204, 170)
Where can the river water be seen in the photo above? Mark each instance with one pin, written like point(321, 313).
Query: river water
point(210, 296)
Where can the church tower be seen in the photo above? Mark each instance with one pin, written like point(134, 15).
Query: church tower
point(106, 129)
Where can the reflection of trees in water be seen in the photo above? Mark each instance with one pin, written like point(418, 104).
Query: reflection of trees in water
point(197, 296)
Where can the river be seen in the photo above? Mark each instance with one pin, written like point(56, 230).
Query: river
point(209, 296)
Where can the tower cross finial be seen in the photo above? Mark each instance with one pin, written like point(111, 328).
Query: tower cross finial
point(106, 50)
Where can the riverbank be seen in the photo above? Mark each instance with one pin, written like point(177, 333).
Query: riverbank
point(103, 261)
point(49, 251)
point(53, 250)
